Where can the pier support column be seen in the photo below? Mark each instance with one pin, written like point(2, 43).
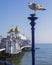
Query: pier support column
point(32, 23)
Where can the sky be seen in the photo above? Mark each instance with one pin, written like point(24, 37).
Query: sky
point(16, 12)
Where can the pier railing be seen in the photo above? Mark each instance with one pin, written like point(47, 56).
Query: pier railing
point(24, 46)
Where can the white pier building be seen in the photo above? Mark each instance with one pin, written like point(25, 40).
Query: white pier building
point(15, 41)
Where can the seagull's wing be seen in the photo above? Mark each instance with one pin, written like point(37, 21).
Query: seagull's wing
point(40, 7)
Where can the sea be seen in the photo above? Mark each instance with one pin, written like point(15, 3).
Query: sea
point(43, 56)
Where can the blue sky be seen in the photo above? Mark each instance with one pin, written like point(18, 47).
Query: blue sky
point(15, 13)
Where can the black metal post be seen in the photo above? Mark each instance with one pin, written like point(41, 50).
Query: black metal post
point(33, 18)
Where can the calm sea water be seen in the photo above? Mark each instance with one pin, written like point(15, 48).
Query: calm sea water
point(43, 56)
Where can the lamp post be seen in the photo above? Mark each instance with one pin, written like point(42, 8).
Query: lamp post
point(32, 23)
point(34, 7)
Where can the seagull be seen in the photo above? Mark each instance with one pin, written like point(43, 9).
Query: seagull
point(34, 6)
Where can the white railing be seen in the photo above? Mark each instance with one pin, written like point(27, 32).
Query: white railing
point(2, 49)
point(25, 46)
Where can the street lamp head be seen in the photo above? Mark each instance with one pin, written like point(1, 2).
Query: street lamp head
point(34, 6)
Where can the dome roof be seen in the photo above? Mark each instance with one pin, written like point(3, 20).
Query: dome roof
point(11, 30)
point(16, 29)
